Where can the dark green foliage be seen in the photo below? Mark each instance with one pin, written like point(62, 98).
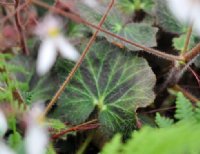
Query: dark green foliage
point(142, 33)
point(110, 82)
point(179, 42)
point(38, 88)
point(43, 89)
point(129, 6)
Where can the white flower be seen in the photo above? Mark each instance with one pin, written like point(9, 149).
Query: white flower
point(187, 11)
point(3, 124)
point(53, 43)
point(5, 150)
point(36, 138)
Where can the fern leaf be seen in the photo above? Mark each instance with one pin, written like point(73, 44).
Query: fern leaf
point(178, 139)
point(163, 122)
point(184, 107)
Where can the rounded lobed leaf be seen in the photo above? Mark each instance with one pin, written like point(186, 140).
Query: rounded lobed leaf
point(113, 82)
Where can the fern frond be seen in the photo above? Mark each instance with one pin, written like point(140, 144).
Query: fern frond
point(178, 139)
point(184, 108)
point(163, 122)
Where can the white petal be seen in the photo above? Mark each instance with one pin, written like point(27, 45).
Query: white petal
point(46, 56)
point(180, 8)
point(34, 115)
point(3, 124)
point(185, 10)
point(5, 150)
point(91, 3)
point(36, 139)
point(66, 49)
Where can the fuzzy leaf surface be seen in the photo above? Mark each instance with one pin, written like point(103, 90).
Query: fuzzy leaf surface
point(142, 33)
point(111, 84)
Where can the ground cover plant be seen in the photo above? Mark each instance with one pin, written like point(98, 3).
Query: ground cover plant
point(99, 76)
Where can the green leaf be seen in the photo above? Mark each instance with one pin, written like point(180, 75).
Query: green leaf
point(163, 122)
point(179, 42)
point(43, 89)
point(113, 146)
point(15, 140)
point(178, 139)
point(112, 82)
point(129, 6)
point(165, 19)
point(184, 108)
point(197, 112)
point(142, 33)
point(51, 150)
point(56, 124)
point(76, 30)
point(126, 6)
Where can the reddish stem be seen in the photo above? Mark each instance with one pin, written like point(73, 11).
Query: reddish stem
point(85, 126)
point(192, 54)
point(20, 29)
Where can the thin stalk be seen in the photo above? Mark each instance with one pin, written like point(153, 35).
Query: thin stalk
point(78, 19)
point(78, 127)
point(83, 147)
point(187, 41)
point(159, 110)
point(20, 30)
point(71, 74)
point(192, 54)
point(15, 11)
point(186, 94)
point(195, 75)
point(2, 89)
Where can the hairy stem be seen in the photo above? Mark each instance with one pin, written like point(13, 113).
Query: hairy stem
point(85, 126)
point(187, 41)
point(85, 144)
point(186, 93)
point(192, 54)
point(20, 30)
